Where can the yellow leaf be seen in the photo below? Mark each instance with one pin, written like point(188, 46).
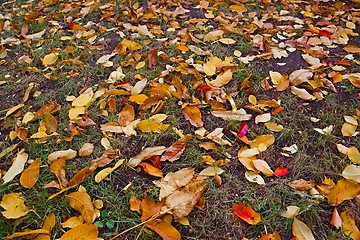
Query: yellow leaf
point(73, 222)
point(83, 99)
point(267, 139)
point(213, 36)
point(211, 171)
point(227, 41)
point(49, 59)
point(210, 66)
point(140, 65)
point(81, 202)
point(164, 229)
point(222, 79)
point(106, 171)
point(151, 125)
point(272, 126)
point(28, 232)
point(75, 112)
point(8, 150)
point(291, 211)
point(348, 129)
point(30, 176)
point(349, 226)
point(139, 99)
point(16, 167)
point(354, 155)
point(263, 167)
point(14, 109)
point(254, 177)
point(238, 8)
point(82, 232)
point(28, 117)
point(301, 231)
point(345, 189)
point(105, 143)
point(14, 206)
point(352, 172)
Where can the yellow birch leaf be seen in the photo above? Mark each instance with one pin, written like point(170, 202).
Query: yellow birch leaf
point(30, 175)
point(82, 203)
point(348, 129)
point(222, 79)
point(82, 232)
point(273, 126)
point(352, 172)
point(345, 189)
point(349, 225)
point(354, 155)
point(106, 171)
point(301, 231)
point(140, 65)
point(28, 117)
point(83, 99)
point(151, 125)
point(14, 109)
point(164, 229)
point(14, 206)
point(16, 167)
point(73, 222)
point(139, 99)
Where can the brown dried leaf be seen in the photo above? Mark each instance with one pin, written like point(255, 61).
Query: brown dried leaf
point(193, 115)
point(302, 185)
point(174, 152)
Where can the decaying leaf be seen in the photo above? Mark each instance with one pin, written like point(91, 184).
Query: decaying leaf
point(145, 154)
point(86, 149)
point(302, 185)
point(336, 219)
point(254, 177)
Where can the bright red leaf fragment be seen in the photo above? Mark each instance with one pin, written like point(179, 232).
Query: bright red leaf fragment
point(246, 213)
point(243, 129)
point(281, 171)
point(203, 88)
point(325, 33)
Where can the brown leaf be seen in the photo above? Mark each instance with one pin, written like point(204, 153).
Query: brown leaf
point(345, 189)
point(127, 115)
point(302, 185)
point(149, 208)
point(30, 175)
point(81, 175)
point(152, 57)
point(51, 123)
point(182, 92)
point(86, 149)
point(164, 229)
point(174, 152)
point(107, 157)
point(193, 115)
point(135, 204)
point(352, 49)
point(82, 203)
point(83, 231)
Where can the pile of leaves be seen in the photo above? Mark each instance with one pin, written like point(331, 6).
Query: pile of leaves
point(101, 81)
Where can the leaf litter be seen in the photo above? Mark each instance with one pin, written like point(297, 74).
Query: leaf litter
point(204, 90)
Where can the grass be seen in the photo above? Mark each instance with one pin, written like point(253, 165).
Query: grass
point(315, 159)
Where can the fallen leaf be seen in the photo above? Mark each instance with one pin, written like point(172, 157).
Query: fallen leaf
point(302, 93)
point(174, 152)
point(82, 203)
point(281, 171)
point(301, 231)
point(86, 149)
point(345, 189)
point(348, 129)
point(49, 59)
point(239, 115)
point(302, 185)
point(263, 118)
point(14, 206)
point(211, 171)
point(164, 229)
point(106, 171)
point(83, 231)
point(145, 154)
point(17, 166)
point(254, 177)
point(25, 234)
point(193, 115)
point(352, 172)
point(30, 175)
point(335, 219)
point(354, 155)
point(83, 99)
point(349, 225)
point(66, 154)
point(151, 170)
point(243, 129)
point(291, 212)
point(152, 125)
point(263, 167)
point(14, 109)
point(246, 213)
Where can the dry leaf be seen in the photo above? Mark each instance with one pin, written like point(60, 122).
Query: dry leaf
point(86, 149)
point(106, 171)
point(82, 203)
point(145, 154)
point(174, 152)
point(291, 212)
point(302, 93)
point(239, 115)
point(349, 225)
point(14, 109)
point(352, 172)
point(254, 177)
point(302, 185)
point(164, 229)
point(14, 206)
point(152, 125)
point(263, 118)
point(345, 189)
point(301, 231)
point(151, 170)
point(222, 79)
point(354, 155)
point(83, 231)
point(16, 167)
point(30, 175)
point(66, 154)
point(49, 59)
point(193, 115)
point(263, 167)
point(336, 219)
point(211, 171)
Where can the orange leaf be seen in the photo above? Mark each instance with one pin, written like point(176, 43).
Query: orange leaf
point(30, 175)
point(164, 229)
point(193, 115)
point(83, 231)
point(335, 219)
point(246, 213)
point(281, 171)
point(271, 236)
point(81, 175)
point(82, 203)
point(182, 48)
point(135, 204)
point(150, 169)
point(176, 149)
point(127, 115)
point(345, 189)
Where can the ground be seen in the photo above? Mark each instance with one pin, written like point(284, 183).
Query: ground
point(52, 52)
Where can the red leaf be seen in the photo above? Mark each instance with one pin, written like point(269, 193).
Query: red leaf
point(155, 160)
point(204, 88)
point(246, 213)
point(281, 171)
point(243, 129)
point(71, 25)
point(325, 33)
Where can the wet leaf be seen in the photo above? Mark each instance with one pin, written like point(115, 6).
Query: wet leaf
point(30, 175)
point(301, 231)
point(14, 206)
point(174, 152)
point(246, 213)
